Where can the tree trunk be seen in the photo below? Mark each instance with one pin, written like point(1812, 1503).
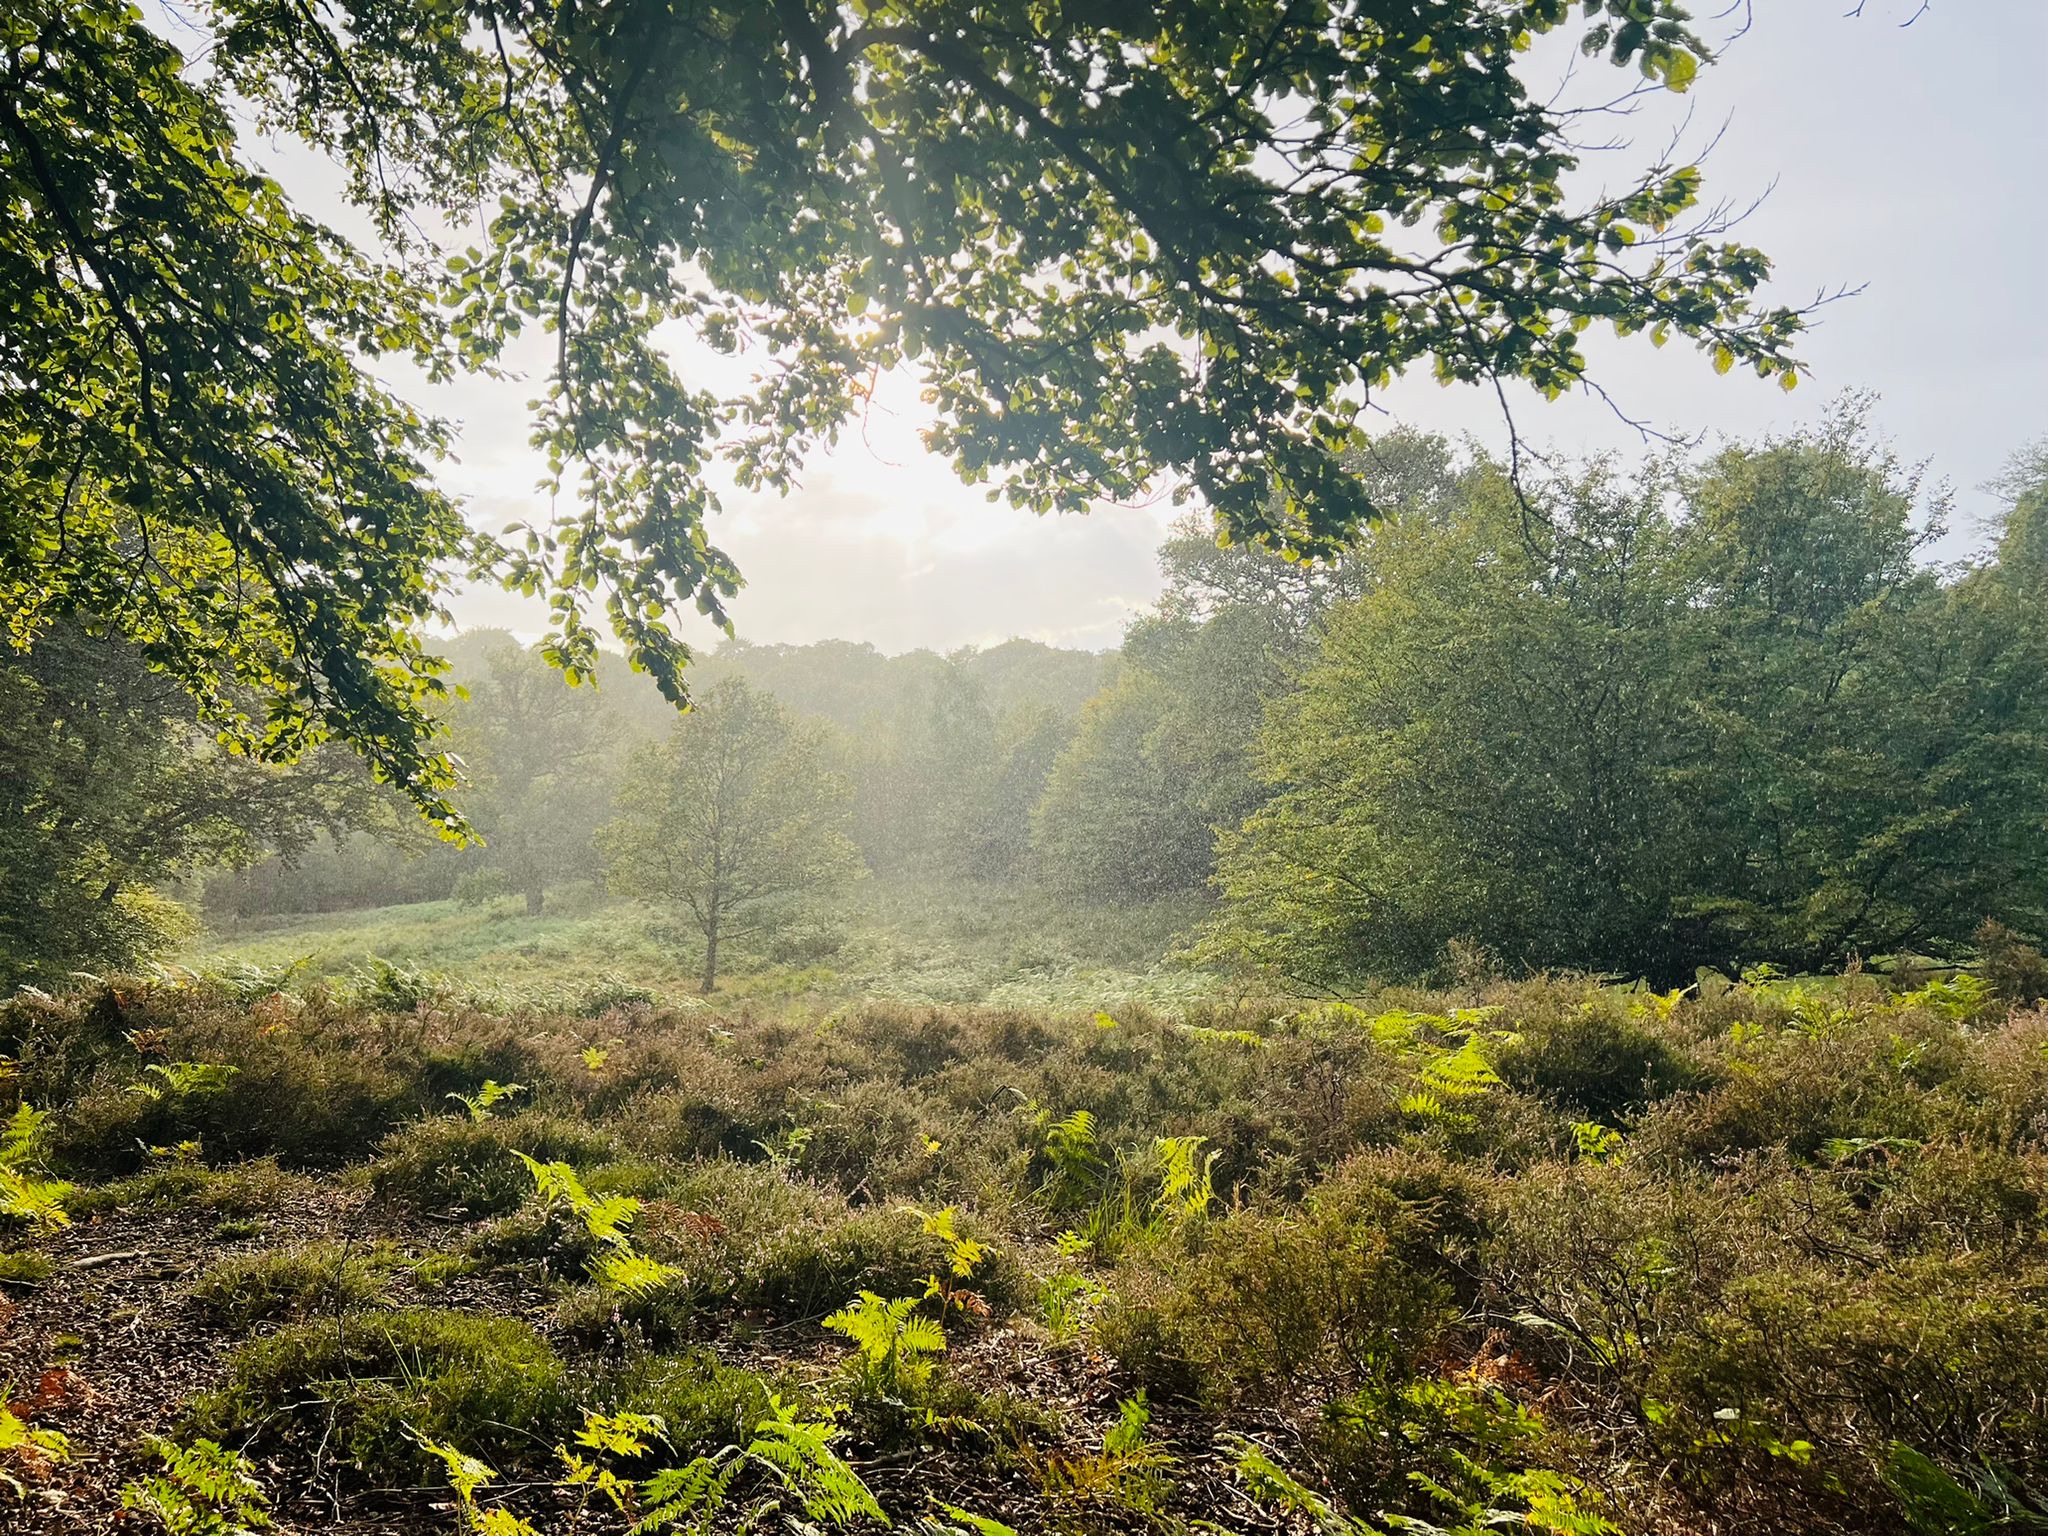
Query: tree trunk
point(711, 950)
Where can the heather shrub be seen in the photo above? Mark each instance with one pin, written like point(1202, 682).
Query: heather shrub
point(1273, 1302)
point(455, 1163)
point(1599, 1060)
point(1790, 1393)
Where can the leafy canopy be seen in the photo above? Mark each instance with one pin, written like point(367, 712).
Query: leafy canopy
point(1110, 241)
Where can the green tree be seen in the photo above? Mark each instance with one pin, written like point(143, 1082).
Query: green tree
point(729, 818)
point(1694, 716)
point(108, 790)
point(1110, 242)
point(196, 456)
point(1472, 754)
point(1167, 756)
point(1163, 758)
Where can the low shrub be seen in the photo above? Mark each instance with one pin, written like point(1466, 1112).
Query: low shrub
point(1599, 1060)
point(544, 1240)
point(454, 1163)
point(1796, 1385)
point(1862, 1077)
point(240, 1191)
point(1271, 1303)
point(2016, 970)
point(807, 1271)
point(289, 1097)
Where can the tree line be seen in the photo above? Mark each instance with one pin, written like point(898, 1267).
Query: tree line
point(1627, 717)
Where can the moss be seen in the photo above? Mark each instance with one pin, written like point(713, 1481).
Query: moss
point(488, 1384)
point(436, 1271)
point(704, 1402)
point(25, 1268)
point(238, 1192)
point(304, 1280)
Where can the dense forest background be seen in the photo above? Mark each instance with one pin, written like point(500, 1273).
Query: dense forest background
point(1628, 717)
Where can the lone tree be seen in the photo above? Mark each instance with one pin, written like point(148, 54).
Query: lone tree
point(1111, 241)
point(733, 813)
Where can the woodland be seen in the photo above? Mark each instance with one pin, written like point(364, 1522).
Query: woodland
point(1512, 1000)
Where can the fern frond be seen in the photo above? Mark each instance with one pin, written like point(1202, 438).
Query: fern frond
point(22, 1135)
point(204, 1490)
point(40, 1202)
point(799, 1452)
point(632, 1273)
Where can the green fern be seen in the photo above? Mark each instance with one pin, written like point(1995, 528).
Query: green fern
point(689, 1495)
point(1127, 1475)
point(487, 1098)
point(22, 1135)
point(624, 1434)
point(618, 1266)
point(895, 1342)
point(800, 1452)
point(467, 1475)
point(796, 1452)
point(1184, 1185)
point(23, 1442)
point(604, 1217)
point(1958, 997)
point(1222, 1036)
point(1462, 1072)
point(962, 1253)
point(1077, 1167)
point(203, 1490)
point(632, 1273)
point(952, 1520)
point(1272, 1486)
point(24, 1194)
point(183, 1079)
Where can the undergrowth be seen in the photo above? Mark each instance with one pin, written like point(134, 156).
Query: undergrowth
point(1764, 1253)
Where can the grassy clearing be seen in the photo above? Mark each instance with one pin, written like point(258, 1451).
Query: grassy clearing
point(905, 940)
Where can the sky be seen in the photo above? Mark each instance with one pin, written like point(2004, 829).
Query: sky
point(1900, 161)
